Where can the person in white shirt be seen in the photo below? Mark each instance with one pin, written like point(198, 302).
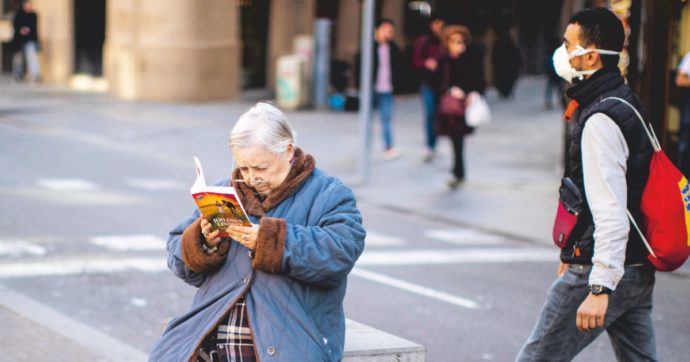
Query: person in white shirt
point(683, 81)
point(604, 281)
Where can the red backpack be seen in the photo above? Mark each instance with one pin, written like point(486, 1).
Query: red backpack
point(665, 206)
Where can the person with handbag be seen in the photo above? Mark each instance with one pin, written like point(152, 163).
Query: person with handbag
point(458, 76)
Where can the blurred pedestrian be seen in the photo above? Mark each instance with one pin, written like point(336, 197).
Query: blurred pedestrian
point(683, 81)
point(386, 68)
point(274, 290)
point(605, 281)
point(427, 51)
point(459, 73)
point(507, 63)
point(25, 43)
point(553, 81)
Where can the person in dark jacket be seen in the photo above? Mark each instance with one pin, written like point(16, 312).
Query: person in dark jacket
point(386, 69)
point(272, 291)
point(427, 51)
point(605, 281)
point(25, 42)
point(507, 63)
point(459, 73)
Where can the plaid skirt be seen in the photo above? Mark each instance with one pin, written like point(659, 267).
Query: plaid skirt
point(233, 339)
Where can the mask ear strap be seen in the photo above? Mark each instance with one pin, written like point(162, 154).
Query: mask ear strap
point(608, 52)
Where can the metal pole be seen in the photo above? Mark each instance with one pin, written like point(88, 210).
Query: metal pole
point(365, 88)
point(322, 62)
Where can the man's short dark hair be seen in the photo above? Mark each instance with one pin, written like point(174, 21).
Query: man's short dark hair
point(382, 21)
point(601, 27)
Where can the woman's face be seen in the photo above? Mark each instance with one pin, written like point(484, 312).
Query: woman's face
point(456, 45)
point(262, 169)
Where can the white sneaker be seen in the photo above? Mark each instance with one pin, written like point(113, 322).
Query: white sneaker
point(429, 156)
point(391, 154)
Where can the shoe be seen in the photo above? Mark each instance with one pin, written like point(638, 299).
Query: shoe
point(455, 182)
point(391, 154)
point(429, 156)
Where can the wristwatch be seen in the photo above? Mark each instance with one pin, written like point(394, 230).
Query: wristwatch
point(596, 289)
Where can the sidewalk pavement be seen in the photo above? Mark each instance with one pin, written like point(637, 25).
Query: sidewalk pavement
point(512, 166)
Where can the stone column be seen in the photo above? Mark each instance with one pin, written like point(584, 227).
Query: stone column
point(395, 10)
point(348, 30)
point(287, 19)
point(56, 37)
point(173, 50)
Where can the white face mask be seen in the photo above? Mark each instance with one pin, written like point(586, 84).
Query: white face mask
point(561, 62)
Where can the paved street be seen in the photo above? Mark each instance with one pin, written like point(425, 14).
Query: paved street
point(92, 184)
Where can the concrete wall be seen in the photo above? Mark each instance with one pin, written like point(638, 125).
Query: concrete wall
point(55, 31)
point(173, 50)
point(348, 30)
point(288, 18)
point(395, 10)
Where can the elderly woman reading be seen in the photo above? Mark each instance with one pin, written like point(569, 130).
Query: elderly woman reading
point(273, 291)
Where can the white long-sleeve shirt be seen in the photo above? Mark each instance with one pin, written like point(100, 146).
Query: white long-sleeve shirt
point(604, 164)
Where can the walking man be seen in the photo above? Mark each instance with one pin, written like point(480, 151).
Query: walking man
point(427, 51)
point(386, 67)
point(604, 281)
point(25, 42)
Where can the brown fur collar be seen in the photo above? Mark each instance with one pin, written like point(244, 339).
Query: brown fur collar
point(302, 167)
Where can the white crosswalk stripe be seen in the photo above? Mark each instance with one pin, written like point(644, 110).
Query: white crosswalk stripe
point(377, 239)
point(464, 236)
point(18, 248)
point(457, 256)
point(66, 184)
point(129, 242)
point(156, 184)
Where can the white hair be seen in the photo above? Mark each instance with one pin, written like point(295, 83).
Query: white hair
point(263, 125)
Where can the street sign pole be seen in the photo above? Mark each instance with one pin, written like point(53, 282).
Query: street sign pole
point(365, 88)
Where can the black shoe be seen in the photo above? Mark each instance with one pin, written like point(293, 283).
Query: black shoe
point(455, 182)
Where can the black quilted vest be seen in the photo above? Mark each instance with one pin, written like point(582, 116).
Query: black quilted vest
point(588, 94)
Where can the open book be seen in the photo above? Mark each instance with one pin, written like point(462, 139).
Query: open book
point(220, 205)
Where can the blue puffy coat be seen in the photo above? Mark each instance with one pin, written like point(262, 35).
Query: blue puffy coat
point(295, 306)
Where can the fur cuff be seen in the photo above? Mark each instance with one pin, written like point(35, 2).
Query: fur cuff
point(194, 256)
point(270, 244)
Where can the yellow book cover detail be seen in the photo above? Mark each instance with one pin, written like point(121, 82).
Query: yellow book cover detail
point(220, 205)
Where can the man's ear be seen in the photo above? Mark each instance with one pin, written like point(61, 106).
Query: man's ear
point(592, 58)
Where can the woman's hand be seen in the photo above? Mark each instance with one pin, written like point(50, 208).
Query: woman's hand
point(212, 238)
point(245, 235)
point(430, 64)
point(457, 92)
point(471, 98)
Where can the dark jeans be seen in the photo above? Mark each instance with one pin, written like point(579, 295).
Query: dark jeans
point(384, 102)
point(628, 320)
point(429, 102)
point(458, 159)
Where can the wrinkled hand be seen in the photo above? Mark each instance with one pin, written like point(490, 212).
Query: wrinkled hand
point(457, 92)
point(430, 64)
point(212, 238)
point(245, 235)
point(592, 311)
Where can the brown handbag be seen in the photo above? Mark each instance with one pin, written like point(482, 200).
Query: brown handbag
point(450, 106)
